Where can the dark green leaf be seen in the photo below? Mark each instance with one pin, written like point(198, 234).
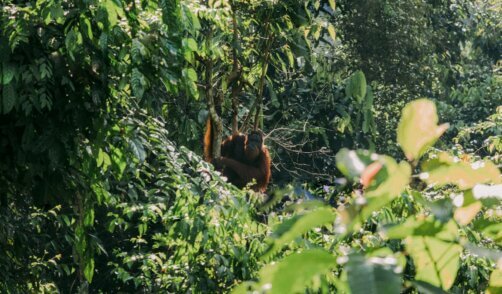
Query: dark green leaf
point(372, 276)
point(8, 73)
point(8, 98)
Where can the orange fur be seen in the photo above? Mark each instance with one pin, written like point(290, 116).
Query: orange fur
point(234, 165)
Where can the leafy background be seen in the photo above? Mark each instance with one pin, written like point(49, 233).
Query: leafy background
point(102, 109)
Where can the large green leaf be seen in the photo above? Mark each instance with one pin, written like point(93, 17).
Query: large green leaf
point(298, 225)
point(495, 285)
point(418, 129)
point(190, 44)
point(138, 83)
point(356, 85)
point(372, 276)
point(352, 163)
point(8, 72)
point(190, 74)
point(8, 98)
point(293, 273)
point(397, 178)
point(113, 11)
point(463, 174)
point(138, 50)
point(138, 149)
point(436, 261)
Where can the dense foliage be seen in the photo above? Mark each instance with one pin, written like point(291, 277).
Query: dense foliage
point(394, 228)
point(102, 110)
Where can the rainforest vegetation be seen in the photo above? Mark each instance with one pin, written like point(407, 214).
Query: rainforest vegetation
point(380, 170)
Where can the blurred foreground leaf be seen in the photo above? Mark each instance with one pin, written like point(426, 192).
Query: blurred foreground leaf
point(418, 129)
point(373, 275)
point(436, 261)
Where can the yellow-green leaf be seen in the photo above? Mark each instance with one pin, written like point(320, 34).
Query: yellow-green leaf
point(89, 270)
point(418, 128)
point(495, 286)
point(397, 180)
point(332, 32)
point(464, 215)
point(436, 261)
point(332, 4)
point(463, 174)
point(298, 225)
point(293, 273)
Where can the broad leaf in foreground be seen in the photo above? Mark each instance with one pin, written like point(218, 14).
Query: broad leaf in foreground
point(293, 273)
point(436, 261)
point(373, 275)
point(298, 225)
point(495, 285)
point(418, 128)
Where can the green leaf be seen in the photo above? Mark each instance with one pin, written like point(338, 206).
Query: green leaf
point(298, 225)
point(70, 43)
point(356, 86)
point(332, 4)
point(100, 159)
point(495, 285)
point(463, 175)
point(293, 273)
point(465, 214)
point(418, 129)
point(490, 229)
point(190, 74)
point(138, 50)
point(113, 10)
point(332, 34)
point(103, 41)
point(138, 149)
point(379, 195)
point(142, 228)
point(189, 43)
point(86, 28)
point(89, 217)
point(57, 14)
point(8, 98)
point(89, 270)
point(119, 160)
point(352, 163)
point(244, 288)
point(436, 261)
point(423, 227)
point(138, 83)
point(8, 73)
point(372, 276)
point(290, 56)
point(103, 160)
